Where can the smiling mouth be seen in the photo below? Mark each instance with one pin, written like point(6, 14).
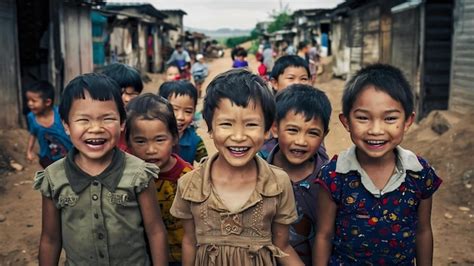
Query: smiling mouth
point(95, 142)
point(298, 152)
point(238, 151)
point(376, 143)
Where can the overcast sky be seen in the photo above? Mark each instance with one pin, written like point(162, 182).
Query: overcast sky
point(240, 14)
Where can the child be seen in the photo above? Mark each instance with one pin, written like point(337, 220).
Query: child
point(375, 203)
point(44, 125)
point(240, 60)
point(199, 72)
point(301, 123)
point(151, 134)
point(262, 69)
point(98, 202)
point(235, 207)
point(183, 97)
point(289, 69)
point(127, 77)
point(131, 85)
point(172, 73)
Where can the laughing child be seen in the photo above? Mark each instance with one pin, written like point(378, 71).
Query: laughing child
point(374, 205)
point(236, 208)
point(98, 202)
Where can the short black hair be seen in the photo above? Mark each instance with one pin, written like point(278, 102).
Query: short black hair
point(287, 61)
point(150, 106)
point(239, 86)
point(386, 78)
point(125, 76)
point(302, 45)
point(99, 86)
point(242, 52)
point(306, 100)
point(44, 88)
point(179, 88)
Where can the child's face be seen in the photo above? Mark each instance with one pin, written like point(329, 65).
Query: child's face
point(172, 73)
point(377, 124)
point(94, 127)
point(238, 132)
point(291, 75)
point(128, 94)
point(36, 103)
point(183, 107)
point(151, 141)
point(299, 140)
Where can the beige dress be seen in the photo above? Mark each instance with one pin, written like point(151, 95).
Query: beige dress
point(242, 237)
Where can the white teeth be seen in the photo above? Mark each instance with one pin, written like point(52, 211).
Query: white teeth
point(375, 142)
point(238, 149)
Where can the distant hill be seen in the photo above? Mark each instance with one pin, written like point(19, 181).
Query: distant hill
point(221, 33)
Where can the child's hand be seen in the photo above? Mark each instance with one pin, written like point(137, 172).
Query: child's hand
point(30, 156)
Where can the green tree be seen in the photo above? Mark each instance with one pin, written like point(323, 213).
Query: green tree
point(279, 19)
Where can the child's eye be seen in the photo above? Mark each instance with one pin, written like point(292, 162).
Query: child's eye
point(391, 118)
point(225, 124)
point(314, 134)
point(360, 117)
point(188, 112)
point(292, 130)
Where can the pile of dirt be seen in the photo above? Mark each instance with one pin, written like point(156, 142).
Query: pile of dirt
point(446, 139)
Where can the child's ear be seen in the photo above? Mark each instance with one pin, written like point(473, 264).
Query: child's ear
point(66, 127)
point(409, 121)
point(48, 102)
point(274, 130)
point(345, 122)
point(122, 127)
point(274, 83)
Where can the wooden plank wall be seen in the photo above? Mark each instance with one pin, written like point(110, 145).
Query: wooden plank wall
point(462, 67)
point(9, 66)
point(355, 41)
point(77, 41)
point(405, 44)
point(371, 33)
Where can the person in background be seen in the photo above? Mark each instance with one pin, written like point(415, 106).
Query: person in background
point(374, 202)
point(240, 59)
point(199, 71)
point(303, 50)
point(172, 72)
point(131, 85)
point(183, 97)
point(44, 125)
point(152, 134)
point(301, 124)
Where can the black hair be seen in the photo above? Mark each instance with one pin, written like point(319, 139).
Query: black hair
point(304, 99)
point(43, 88)
point(242, 52)
point(179, 88)
point(99, 86)
point(172, 64)
point(383, 77)
point(287, 61)
point(125, 76)
point(302, 45)
point(239, 86)
point(150, 106)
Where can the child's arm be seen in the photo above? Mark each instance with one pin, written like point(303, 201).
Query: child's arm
point(326, 213)
point(280, 237)
point(154, 227)
point(50, 241)
point(189, 242)
point(424, 234)
point(30, 155)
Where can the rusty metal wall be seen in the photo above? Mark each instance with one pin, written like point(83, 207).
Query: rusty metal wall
point(462, 67)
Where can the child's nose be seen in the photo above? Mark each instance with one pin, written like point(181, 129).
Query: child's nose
point(376, 128)
point(300, 140)
point(238, 134)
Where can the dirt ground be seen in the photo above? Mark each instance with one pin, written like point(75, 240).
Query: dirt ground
point(450, 153)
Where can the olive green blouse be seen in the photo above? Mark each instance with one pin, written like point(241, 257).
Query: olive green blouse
point(101, 222)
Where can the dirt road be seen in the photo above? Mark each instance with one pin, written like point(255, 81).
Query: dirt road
point(20, 209)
